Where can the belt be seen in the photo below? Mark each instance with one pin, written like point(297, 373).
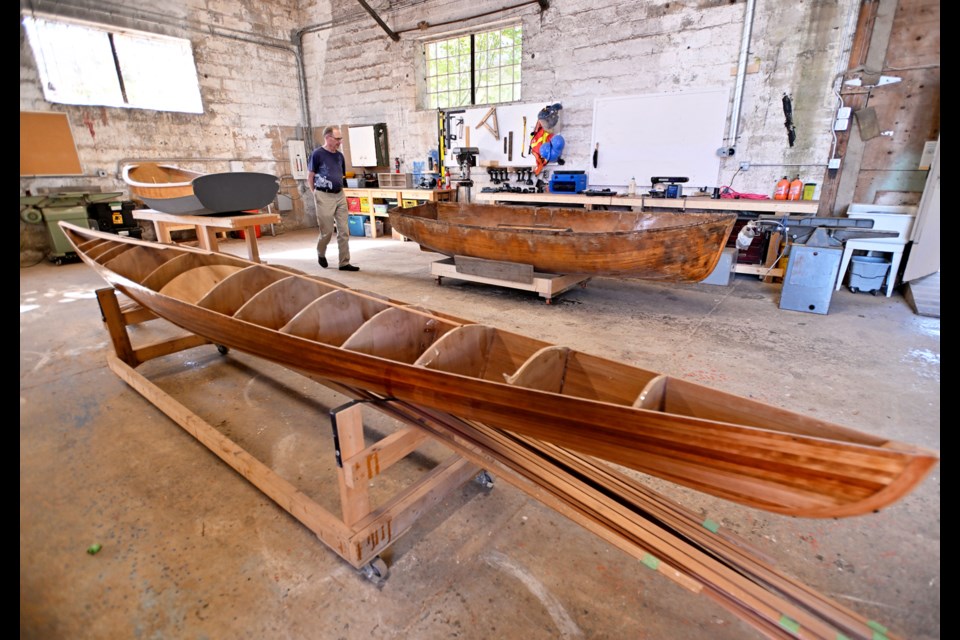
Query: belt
point(330, 191)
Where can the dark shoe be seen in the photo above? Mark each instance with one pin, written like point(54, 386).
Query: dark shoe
point(323, 262)
point(349, 267)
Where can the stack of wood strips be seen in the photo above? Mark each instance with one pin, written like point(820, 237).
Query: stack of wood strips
point(659, 533)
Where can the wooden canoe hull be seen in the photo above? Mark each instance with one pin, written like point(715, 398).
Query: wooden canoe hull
point(675, 247)
point(178, 191)
point(728, 446)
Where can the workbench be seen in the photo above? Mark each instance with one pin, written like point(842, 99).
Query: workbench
point(208, 226)
point(644, 202)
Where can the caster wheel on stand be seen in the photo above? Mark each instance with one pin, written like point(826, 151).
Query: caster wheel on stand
point(376, 571)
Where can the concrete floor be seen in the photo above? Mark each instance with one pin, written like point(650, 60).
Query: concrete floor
point(192, 550)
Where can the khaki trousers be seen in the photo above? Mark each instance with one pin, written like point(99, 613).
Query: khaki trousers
point(332, 207)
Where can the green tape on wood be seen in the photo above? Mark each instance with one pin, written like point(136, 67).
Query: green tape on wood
point(876, 626)
point(711, 526)
point(879, 636)
point(789, 624)
point(650, 561)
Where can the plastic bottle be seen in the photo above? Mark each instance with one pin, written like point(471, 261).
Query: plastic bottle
point(796, 189)
point(632, 187)
point(782, 190)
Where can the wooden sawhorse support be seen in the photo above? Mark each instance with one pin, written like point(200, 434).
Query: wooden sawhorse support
point(361, 532)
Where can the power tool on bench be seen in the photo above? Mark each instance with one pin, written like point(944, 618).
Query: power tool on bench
point(671, 186)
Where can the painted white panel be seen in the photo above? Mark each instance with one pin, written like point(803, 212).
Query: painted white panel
point(363, 148)
point(664, 134)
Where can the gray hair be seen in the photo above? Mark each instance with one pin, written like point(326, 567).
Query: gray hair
point(329, 129)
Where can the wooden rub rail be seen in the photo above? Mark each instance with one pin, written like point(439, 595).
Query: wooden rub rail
point(659, 533)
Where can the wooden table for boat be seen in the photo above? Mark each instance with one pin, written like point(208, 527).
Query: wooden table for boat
point(208, 226)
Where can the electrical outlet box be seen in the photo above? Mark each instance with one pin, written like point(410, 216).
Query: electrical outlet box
point(842, 122)
point(833, 163)
point(744, 166)
point(298, 159)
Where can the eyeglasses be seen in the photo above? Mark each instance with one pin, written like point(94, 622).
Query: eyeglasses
point(335, 137)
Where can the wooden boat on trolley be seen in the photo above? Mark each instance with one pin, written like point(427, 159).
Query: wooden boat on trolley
point(170, 189)
point(719, 443)
point(674, 247)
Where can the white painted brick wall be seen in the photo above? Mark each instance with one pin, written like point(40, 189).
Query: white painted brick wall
point(247, 67)
point(600, 48)
point(575, 52)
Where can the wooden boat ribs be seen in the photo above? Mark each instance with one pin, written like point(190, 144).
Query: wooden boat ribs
point(731, 447)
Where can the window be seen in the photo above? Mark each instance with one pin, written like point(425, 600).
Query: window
point(479, 68)
point(86, 65)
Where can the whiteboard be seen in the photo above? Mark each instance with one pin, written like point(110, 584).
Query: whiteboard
point(363, 148)
point(664, 134)
point(509, 118)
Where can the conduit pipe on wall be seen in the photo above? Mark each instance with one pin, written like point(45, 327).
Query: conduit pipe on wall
point(741, 76)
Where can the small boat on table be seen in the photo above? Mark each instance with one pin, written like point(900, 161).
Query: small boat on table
point(675, 247)
point(182, 192)
point(716, 442)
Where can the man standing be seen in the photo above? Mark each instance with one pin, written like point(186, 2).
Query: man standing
point(326, 169)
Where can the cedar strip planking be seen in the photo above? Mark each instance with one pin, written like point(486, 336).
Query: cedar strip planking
point(754, 603)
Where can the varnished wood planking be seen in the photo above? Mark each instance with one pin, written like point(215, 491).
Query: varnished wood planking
point(397, 335)
point(190, 286)
point(463, 351)
point(333, 317)
point(180, 264)
point(140, 262)
point(231, 294)
point(276, 304)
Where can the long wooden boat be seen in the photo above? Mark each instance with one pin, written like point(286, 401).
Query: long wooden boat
point(716, 442)
point(676, 246)
point(179, 191)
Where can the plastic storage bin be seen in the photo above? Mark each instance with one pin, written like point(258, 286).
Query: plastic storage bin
point(356, 225)
point(868, 273)
point(368, 231)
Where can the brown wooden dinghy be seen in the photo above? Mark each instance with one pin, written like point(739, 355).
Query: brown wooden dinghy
point(182, 192)
point(719, 443)
point(676, 247)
